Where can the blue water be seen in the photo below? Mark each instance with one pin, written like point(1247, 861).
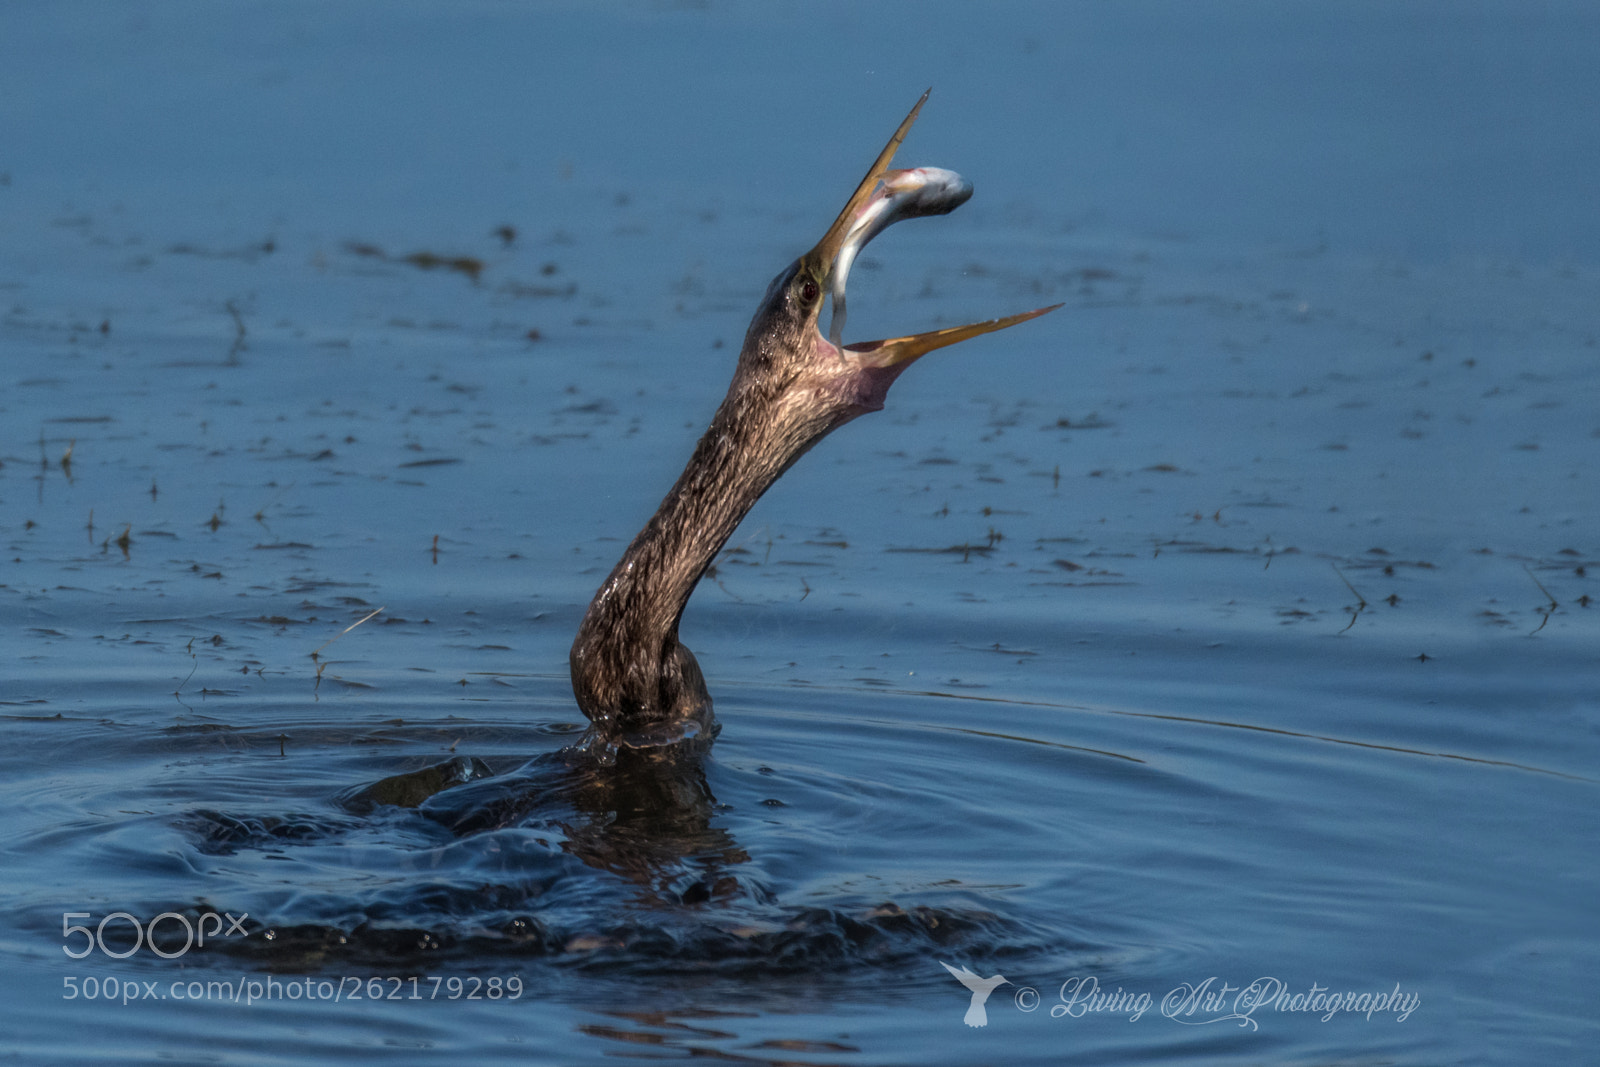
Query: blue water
point(1234, 622)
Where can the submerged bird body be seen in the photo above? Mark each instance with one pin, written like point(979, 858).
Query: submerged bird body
point(637, 683)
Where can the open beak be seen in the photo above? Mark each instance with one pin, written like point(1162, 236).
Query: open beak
point(897, 351)
point(883, 198)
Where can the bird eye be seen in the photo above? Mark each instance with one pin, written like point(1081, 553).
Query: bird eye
point(809, 291)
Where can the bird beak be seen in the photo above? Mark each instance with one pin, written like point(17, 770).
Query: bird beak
point(883, 198)
point(826, 254)
point(898, 351)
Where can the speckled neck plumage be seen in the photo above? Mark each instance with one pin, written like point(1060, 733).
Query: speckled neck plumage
point(629, 670)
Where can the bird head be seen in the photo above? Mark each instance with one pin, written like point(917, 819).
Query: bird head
point(815, 380)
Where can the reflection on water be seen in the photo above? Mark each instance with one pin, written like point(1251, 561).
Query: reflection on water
point(506, 866)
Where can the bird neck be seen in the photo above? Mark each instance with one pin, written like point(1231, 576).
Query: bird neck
point(628, 667)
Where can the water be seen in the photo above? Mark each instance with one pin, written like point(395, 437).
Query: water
point(1232, 623)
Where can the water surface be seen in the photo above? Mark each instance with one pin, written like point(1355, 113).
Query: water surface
point(1232, 623)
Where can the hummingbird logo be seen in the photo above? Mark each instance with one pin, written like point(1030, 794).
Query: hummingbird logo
point(981, 988)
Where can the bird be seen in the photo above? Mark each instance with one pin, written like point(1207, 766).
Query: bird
point(981, 988)
point(635, 681)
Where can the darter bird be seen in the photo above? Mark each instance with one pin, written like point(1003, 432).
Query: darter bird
point(793, 384)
